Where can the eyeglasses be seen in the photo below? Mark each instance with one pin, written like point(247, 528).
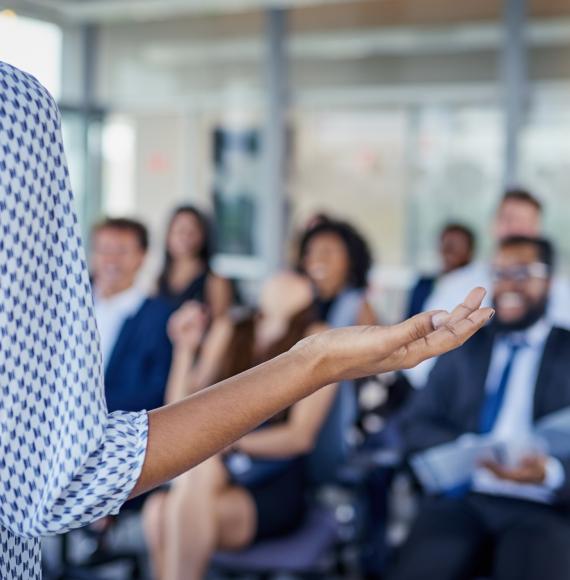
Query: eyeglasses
point(521, 273)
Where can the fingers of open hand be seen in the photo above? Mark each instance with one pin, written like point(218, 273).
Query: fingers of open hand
point(465, 320)
point(414, 329)
point(471, 303)
point(455, 332)
point(450, 335)
point(423, 325)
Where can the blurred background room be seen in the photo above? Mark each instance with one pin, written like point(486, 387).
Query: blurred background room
point(366, 145)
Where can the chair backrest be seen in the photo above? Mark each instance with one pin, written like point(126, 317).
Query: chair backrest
point(332, 447)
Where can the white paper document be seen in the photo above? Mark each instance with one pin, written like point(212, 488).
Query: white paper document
point(554, 429)
point(449, 466)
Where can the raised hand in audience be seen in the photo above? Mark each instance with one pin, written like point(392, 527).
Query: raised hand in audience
point(187, 326)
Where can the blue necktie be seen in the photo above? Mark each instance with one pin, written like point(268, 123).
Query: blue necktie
point(495, 398)
point(491, 408)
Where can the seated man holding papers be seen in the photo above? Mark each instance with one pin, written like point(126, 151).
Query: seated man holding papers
point(489, 437)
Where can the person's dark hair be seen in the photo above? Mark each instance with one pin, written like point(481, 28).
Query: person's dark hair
point(359, 254)
point(135, 227)
point(317, 219)
point(241, 355)
point(544, 249)
point(205, 253)
point(524, 196)
point(461, 229)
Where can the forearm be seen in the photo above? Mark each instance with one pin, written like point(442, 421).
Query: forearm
point(276, 442)
point(183, 434)
point(180, 376)
point(214, 348)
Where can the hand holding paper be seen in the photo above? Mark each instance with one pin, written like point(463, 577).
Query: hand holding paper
point(531, 470)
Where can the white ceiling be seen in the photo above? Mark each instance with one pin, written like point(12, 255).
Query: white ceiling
point(356, 44)
point(143, 10)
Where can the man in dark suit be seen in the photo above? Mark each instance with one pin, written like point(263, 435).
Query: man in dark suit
point(133, 327)
point(510, 375)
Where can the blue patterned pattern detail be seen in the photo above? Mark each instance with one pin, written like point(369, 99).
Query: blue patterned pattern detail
point(64, 461)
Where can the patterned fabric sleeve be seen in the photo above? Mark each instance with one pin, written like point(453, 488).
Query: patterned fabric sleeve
point(64, 461)
point(100, 486)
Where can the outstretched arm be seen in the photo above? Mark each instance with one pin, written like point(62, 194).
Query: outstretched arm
point(184, 434)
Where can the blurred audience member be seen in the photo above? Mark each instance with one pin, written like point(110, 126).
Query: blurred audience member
point(186, 275)
point(135, 346)
point(257, 488)
point(499, 384)
point(314, 220)
point(336, 258)
point(456, 248)
point(518, 214)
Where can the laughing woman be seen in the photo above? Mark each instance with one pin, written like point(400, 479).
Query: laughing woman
point(64, 461)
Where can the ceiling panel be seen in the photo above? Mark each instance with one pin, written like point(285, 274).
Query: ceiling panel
point(305, 14)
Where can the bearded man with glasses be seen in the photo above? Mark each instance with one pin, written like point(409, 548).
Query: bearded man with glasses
point(514, 512)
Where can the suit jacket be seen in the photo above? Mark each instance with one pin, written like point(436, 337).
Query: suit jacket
point(419, 295)
point(451, 402)
point(137, 372)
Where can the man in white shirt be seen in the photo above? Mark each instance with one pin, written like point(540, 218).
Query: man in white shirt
point(135, 347)
point(517, 371)
point(518, 214)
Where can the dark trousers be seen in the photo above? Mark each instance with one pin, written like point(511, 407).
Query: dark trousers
point(451, 537)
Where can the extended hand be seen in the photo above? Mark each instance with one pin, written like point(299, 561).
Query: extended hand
point(360, 351)
point(184, 434)
point(532, 469)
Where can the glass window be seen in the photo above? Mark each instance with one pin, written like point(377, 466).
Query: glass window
point(82, 140)
point(34, 47)
point(399, 174)
point(118, 142)
point(456, 175)
point(352, 164)
point(545, 169)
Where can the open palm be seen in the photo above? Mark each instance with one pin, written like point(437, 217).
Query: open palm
point(368, 350)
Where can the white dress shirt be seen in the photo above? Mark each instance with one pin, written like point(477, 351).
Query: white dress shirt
point(112, 313)
point(514, 424)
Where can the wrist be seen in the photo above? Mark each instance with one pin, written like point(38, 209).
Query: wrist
point(311, 355)
point(182, 354)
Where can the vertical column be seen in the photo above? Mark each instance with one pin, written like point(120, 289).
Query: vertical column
point(89, 37)
point(91, 127)
point(273, 205)
point(515, 83)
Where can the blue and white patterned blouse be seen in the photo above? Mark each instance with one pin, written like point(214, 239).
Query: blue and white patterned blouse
point(64, 461)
